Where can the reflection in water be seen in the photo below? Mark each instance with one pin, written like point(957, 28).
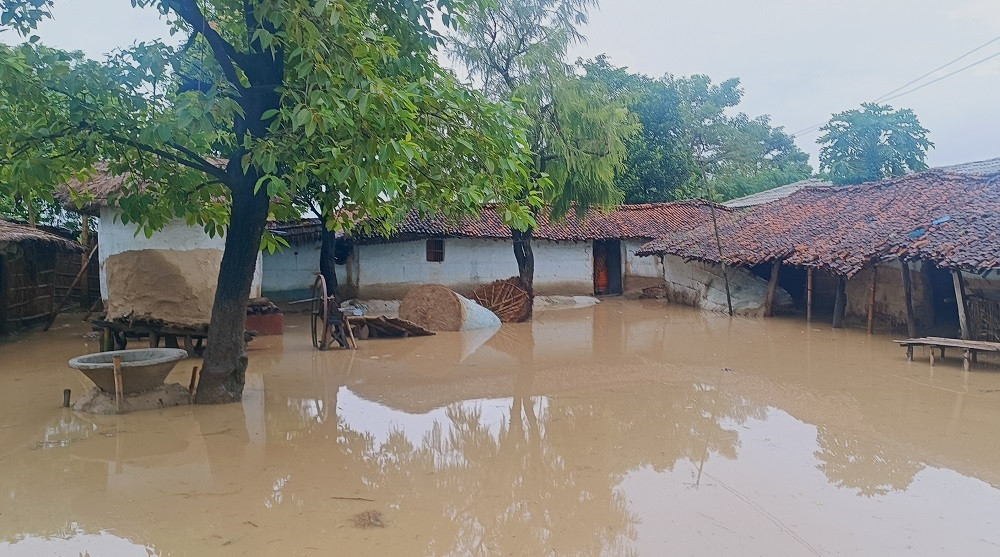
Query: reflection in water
point(77, 543)
point(620, 429)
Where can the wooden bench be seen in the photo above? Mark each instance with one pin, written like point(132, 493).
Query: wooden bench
point(970, 347)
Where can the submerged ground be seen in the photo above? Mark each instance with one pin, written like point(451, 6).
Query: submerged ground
point(625, 428)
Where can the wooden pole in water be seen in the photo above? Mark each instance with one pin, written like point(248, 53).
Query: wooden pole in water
point(194, 380)
point(911, 319)
point(84, 261)
point(871, 301)
point(67, 393)
point(963, 317)
point(119, 395)
point(772, 289)
point(809, 295)
point(718, 244)
point(840, 306)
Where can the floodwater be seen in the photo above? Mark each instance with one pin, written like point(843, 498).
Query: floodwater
point(629, 428)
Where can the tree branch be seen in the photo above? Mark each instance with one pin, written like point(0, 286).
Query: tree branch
point(223, 52)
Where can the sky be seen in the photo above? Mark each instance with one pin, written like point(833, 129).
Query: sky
point(799, 61)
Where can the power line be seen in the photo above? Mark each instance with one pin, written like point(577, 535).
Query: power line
point(939, 68)
point(946, 76)
point(891, 95)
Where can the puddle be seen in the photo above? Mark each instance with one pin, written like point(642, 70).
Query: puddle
point(624, 428)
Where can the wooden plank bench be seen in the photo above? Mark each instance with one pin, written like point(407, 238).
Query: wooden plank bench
point(970, 347)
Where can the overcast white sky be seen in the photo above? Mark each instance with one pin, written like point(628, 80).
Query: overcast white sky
point(799, 60)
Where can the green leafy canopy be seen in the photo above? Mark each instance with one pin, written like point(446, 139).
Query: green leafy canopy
point(363, 121)
point(872, 143)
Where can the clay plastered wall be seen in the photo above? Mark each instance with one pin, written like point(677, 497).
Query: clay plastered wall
point(390, 270)
point(182, 294)
point(176, 236)
point(702, 285)
point(293, 269)
point(889, 296)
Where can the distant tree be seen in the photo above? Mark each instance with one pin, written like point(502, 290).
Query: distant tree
point(516, 50)
point(691, 140)
point(264, 101)
point(873, 143)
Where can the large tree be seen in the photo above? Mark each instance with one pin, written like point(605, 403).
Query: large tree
point(516, 49)
point(872, 143)
point(262, 103)
point(691, 137)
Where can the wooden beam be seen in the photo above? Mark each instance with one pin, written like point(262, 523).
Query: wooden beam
point(57, 308)
point(84, 261)
point(772, 289)
point(963, 318)
point(840, 306)
point(809, 295)
point(871, 301)
point(911, 318)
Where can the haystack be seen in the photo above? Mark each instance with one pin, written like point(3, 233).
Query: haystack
point(437, 308)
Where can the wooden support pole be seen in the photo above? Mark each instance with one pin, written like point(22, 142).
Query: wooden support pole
point(119, 394)
point(809, 295)
point(871, 301)
point(67, 394)
point(963, 318)
point(58, 308)
point(911, 318)
point(840, 306)
point(772, 290)
point(84, 261)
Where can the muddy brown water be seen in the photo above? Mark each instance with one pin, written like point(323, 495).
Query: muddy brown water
point(629, 428)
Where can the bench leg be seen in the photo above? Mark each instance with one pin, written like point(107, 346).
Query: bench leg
point(968, 360)
point(909, 353)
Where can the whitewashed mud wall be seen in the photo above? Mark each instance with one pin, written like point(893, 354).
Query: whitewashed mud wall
point(388, 271)
point(702, 285)
point(171, 276)
point(293, 269)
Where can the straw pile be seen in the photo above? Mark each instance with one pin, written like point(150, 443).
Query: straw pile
point(437, 308)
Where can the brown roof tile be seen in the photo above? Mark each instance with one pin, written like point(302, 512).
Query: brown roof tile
point(844, 229)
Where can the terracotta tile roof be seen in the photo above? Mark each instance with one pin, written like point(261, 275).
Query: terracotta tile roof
point(627, 221)
point(844, 229)
point(986, 167)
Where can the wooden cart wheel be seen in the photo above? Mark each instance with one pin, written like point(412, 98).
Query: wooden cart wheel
point(320, 315)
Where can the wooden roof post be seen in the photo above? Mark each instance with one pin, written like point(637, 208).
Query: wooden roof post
point(772, 289)
point(809, 295)
point(911, 319)
point(963, 317)
point(871, 301)
point(840, 306)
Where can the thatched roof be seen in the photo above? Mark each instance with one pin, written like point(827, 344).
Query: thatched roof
point(19, 234)
point(102, 186)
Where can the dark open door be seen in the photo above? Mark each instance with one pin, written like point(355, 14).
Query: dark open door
point(607, 267)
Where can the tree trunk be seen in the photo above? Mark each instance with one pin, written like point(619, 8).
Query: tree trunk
point(224, 372)
point(525, 258)
point(328, 262)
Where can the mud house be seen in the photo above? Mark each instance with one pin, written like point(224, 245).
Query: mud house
point(914, 253)
point(593, 254)
point(170, 276)
point(36, 270)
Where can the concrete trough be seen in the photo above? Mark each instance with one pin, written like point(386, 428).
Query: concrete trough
point(142, 370)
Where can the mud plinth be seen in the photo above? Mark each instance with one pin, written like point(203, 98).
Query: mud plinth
point(100, 402)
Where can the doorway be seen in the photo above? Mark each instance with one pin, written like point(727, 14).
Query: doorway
point(608, 267)
point(943, 298)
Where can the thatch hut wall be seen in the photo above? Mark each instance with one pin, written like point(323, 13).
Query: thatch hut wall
point(33, 274)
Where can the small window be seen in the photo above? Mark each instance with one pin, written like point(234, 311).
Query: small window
point(435, 251)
